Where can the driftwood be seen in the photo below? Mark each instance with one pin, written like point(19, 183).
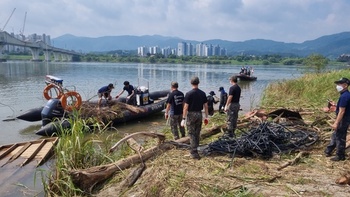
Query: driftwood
point(293, 161)
point(86, 179)
point(130, 107)
point(160, 136)
point(113, 108)
point(133, 144)
point(344, 179)
point(133, 176)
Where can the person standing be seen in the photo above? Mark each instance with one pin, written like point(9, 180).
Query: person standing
point(232, 106)
point(341, 123)
point(211, 102)
point(105, 92)
point(174, 110)
point(223, 99)
point(195, 101)
point(131, 98)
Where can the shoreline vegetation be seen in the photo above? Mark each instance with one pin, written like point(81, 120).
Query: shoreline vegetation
point(174, 173)
point(173, 59)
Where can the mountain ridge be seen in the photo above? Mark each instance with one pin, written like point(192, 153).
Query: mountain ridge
point(329, 45)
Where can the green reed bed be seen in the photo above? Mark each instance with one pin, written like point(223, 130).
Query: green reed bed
point(309, 91)
point(77, 150)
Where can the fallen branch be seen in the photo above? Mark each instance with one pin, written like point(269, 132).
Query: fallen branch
point(344, 179)
point(86, 179)
point(133, 176)
point(160, 136)
point(133, 144)
point(293, 161)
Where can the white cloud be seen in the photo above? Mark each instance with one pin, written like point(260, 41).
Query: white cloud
point(236, 20)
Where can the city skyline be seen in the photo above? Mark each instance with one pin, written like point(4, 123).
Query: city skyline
point(236, 20)
point(184, 49)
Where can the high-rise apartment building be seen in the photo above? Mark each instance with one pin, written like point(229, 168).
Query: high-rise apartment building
point(181, 49)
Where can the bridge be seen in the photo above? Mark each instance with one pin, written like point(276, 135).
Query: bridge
point(35, 48)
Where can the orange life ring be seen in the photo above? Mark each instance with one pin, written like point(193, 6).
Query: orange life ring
point(76, 101)
point(47, 91)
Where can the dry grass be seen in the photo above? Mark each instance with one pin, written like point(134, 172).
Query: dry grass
point(174, 173)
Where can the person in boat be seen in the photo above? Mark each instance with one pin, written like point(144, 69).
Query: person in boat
point(232, 106)
point(131, 98)
point(223, 99)
point(242, 70)
point(105, 92)
point(195, 101)
point(248, 72)
point(211, 101)
point(174, 110)
point(341, 123)
point(251, 70)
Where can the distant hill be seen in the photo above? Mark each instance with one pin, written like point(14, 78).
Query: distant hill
point(330, 46)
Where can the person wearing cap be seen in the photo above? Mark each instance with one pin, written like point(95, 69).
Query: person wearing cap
point(105, 92)
point(195, 101)
point(223, 99)
point(211, 102)
point(131, 98)
point(174, 110)
point(232, 106)
point(341, 123)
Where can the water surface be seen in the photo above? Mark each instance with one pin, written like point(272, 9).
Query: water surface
point(22, 84)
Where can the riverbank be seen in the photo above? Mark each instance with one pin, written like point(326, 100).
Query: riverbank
point(175, 173)
point(224, 60)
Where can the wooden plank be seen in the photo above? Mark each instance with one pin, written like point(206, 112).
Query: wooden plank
point(13, 147)
point(17, 154)
point(37, 150)
point(49, 148)
point(32, 156)
point(34, 153)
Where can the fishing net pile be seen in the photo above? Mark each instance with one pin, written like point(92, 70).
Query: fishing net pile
point(265, 140)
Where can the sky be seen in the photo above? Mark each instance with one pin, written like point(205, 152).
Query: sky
point(233, 20)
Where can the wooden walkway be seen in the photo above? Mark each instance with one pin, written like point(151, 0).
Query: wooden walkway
point(33, 151)
point(19, 166)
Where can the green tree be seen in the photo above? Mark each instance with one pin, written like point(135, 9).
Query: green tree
point(316, 62)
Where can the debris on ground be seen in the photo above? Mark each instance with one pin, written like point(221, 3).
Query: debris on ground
point(266, 139)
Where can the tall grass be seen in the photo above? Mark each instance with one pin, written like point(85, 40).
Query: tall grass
point(76, 151)
point(308, 91)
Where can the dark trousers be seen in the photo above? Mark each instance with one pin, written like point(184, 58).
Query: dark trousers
point(194, 126)
point(131, 100)
point(210, 110)
point(175, 124)
point(338, 138)
point(232, 117)
point(221, 105)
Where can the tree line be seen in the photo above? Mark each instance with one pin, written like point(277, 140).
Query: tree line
point(173, 59)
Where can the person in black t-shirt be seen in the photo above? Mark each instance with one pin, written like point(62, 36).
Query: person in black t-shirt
point(232, 106)
point(174, 110)
point(211, 102)
point(105, 92)
point(131, 98)
point(195, 101)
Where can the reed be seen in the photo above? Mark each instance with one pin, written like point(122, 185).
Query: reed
point(77, 150)
point(309, 91)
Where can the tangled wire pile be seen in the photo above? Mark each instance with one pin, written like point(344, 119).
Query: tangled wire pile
point(263, 141)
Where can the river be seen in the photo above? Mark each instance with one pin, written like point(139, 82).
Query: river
point(22, 84)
